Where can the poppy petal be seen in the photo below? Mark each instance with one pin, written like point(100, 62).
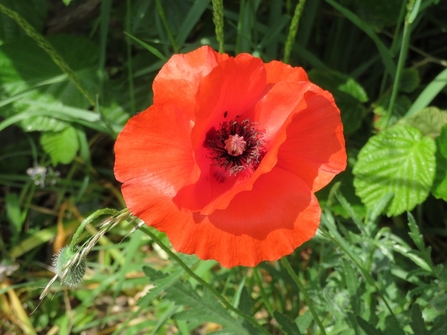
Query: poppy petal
point(230, 89)
point(178, 80)
point(279, 72)
point(315, 146)
point(272, 113)
point(155, 145)
point(272, 220)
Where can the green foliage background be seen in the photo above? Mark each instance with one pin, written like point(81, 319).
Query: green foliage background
point(73, 71)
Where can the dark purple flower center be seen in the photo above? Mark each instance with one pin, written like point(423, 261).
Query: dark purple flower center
point(236, 145)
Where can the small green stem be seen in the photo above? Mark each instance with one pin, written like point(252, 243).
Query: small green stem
point(302, 289)
point(293, 30)
point(216, 293)
point(412, 12)
point(86, 221)
point(129, 58)
point(262, 291)
point(218, 18)
point(400, 67)
point(162, 14)
point(48, 48)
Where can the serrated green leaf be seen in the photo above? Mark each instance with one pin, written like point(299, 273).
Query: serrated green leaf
point(415, 233)
point(368, 328)
point(417, 258)
point(417, 322)
point(245, 305)
point(43, 123)
point(409, 80)
point(61, 146)
point(398, 160)
point(204, 308)
point(161, 281)
point(429, 121)
point(440, 183)
point(286, 325)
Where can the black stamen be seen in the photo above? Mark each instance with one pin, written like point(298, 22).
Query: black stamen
point(253, 150)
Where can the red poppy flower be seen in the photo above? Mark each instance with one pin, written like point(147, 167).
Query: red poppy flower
point(227, 159)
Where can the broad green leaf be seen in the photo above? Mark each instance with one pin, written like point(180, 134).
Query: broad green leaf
point(417, 322)
point(202, 308)
point(348, 94)
point(440, 183)
point(286, 325)
point(33, 11)
point(40, 85)
point(61, 146)
point(429, 121)
point(399, 160)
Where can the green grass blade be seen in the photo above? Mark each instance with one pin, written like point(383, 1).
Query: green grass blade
point(384, 52)
point(429, 93)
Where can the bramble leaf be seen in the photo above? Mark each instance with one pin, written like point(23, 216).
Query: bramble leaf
point(440, 183)
point(61, 146)
point(399, 160)
point(429, 121)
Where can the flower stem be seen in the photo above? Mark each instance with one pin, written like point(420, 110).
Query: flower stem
point(162, 14)
point(302, 289)
point(293, 30)
point(129, 58)
point(412, 12)
point(216, 293)
point(86, 221)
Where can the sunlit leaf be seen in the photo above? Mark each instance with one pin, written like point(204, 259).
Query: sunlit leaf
point(61, 146)
point(429, 121)
point(440, 183)
point(42, 83)
point(399, 160)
